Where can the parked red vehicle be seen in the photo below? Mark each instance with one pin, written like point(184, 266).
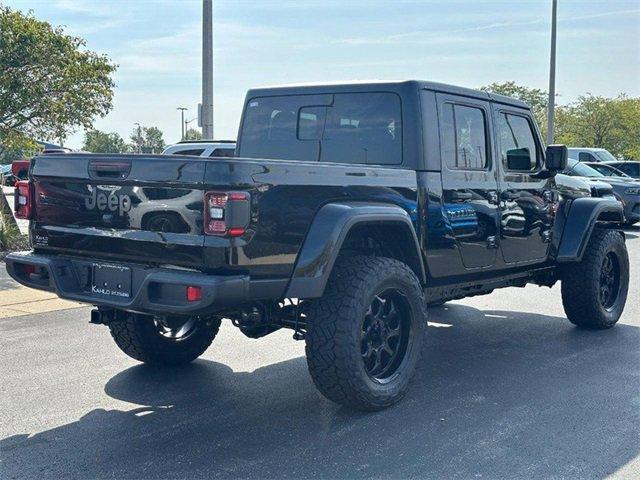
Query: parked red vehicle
point(20, 169)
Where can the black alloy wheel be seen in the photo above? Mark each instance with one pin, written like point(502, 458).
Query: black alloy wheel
point(385, 334)
point(609, 280)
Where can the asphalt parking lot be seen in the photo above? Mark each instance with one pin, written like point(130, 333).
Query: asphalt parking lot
point(508, 389)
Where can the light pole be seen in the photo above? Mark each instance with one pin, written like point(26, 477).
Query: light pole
point(552, 75)
point(207, 69)
point(182, 109)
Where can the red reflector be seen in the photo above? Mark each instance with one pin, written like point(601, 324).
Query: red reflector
point(194, 294)
point(28, 269)
point(237, 196)
point(235, 232)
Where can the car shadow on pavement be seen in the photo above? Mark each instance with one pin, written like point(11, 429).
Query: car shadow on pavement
point(499, 395)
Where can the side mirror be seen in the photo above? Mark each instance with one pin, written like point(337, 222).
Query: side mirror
point(519, 159)
point(556, 158)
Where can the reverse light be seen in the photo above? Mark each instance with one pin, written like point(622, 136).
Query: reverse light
point(226, 213)
point(23, 199)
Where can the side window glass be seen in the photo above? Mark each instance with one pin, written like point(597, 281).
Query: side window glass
point(223, 152)
point(363, 128)
point(463, 132)
point(517, 144)
point(197, 152)
point(585, 157)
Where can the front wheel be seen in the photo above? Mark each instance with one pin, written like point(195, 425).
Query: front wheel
point(365, 334)
point(594, 291)
point(166, 341)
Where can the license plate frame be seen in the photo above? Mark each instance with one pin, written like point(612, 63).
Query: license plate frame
point(110, 280)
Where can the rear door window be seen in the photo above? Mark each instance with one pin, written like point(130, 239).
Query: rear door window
point(464, 137)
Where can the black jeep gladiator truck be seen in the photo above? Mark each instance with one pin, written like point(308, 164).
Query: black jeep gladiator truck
point(349, 209)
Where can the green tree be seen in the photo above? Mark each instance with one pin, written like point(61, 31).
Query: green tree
point(600, 122)
point(193, 134)
point(536, 98)
point(9, 154)
point(50, 84)
point(96, 141)
point(147, 140)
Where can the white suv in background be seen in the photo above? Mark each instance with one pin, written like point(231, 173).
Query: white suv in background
point(203, 148)
point(591, 155)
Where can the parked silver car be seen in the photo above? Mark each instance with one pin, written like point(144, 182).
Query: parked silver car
point(625, 189)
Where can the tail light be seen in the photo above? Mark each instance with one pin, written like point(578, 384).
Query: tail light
point(24, 199)
point(226, 214)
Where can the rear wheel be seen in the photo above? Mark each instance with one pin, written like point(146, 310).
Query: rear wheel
point(163, 341)
point(365, 334)
point(594, 291)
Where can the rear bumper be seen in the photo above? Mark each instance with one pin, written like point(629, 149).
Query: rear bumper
point(153, 290)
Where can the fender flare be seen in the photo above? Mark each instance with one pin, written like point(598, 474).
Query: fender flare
point(583, 215)
point(326, 235)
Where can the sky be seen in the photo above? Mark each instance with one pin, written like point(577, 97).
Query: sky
point(157, 47)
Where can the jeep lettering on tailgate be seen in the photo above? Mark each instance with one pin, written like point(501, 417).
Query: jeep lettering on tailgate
point(112, 202)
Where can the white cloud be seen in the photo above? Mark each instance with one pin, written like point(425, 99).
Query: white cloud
point(454, 35)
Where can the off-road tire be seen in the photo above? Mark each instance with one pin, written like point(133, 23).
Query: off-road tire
point(581, 282)
point(333, 339)
point(138, 337)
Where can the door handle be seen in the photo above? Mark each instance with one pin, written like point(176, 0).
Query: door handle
point(107, 169)
point(457, 195)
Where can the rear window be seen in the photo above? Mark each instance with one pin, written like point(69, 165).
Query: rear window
point(363, 128)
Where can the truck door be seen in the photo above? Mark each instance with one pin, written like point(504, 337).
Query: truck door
point(525, 199)
point(470, 189)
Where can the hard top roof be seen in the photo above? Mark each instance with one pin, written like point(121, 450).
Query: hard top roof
point(368, 85)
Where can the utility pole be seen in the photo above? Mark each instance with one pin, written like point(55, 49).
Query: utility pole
point(552, 76)
point(207, 69)
point(182, 109)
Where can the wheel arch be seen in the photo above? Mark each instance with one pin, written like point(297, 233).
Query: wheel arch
point(584, 215)
point(342, 225)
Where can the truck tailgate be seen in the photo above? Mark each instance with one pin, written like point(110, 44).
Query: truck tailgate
point(143, 208)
